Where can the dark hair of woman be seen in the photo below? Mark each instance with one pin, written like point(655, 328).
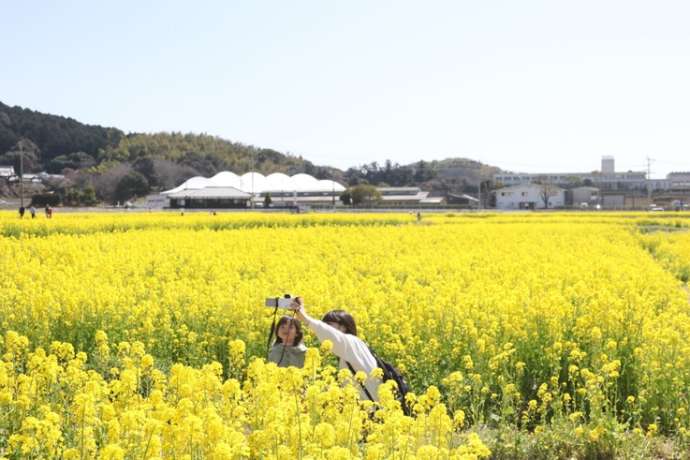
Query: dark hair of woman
point(342, 318)
point(298, 329)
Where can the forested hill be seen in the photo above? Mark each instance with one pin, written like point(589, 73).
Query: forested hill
point(114, 166)
point(209, 154)
point(52, 135)
point(53, 143)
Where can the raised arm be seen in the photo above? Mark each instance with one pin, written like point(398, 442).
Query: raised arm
point(347, 347)
point(341, 341)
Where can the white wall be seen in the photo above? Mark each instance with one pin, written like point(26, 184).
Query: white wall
point(511, 197)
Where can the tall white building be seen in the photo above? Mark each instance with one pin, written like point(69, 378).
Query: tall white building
point(608, 165)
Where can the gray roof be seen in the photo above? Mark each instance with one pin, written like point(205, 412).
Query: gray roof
point(398, 189)
point(299, 199)
point(433, 200)
point(418, 196)
point(211, 192)
point(463, 196)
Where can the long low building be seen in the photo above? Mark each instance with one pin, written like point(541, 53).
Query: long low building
point(407, 196)
point(228, 190)
point(209, 197)
point(6, 171)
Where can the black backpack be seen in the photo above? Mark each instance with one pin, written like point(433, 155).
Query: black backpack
point(389, 373)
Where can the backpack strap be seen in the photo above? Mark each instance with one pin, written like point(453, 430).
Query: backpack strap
point(379, 362)
point(272, 331)
point(366, 391)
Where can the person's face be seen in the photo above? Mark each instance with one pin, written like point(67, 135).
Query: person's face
point(287, 333)
point(338, 326)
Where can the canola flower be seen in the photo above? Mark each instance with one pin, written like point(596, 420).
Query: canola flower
point(137, 336)
point(55, 406)
point(672, 250)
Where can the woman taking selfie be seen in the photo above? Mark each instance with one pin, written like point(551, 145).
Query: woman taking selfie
point(288, 349)
point(339, 327)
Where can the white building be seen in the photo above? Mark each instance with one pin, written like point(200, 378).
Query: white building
point(232, 190)
point(679, 180)
point(608, 165)
point(407, 196)
point(606, 179)
point(530, 196)
point(585, 196)
point(676, 176)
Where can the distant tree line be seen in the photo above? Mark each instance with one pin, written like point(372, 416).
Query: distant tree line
point(105, 164)
point(391, 174)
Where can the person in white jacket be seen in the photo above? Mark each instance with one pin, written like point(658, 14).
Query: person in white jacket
point(340, 328)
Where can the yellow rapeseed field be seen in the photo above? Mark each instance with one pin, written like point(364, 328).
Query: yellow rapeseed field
point(143, 335)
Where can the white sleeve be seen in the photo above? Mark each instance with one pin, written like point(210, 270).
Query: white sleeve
point(347, 347)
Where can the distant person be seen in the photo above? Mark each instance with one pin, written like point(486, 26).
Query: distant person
point(339, 327)
point(288, 349)
point(32, 210)
point(49, 211)
point(22, 210)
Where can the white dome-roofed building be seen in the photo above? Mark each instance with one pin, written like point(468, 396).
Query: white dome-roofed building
point(252, 182)
point(305, 180)
point(227, 189)
point(327, 184)
point(193, 183)
point(226, 179)
point(277, 182)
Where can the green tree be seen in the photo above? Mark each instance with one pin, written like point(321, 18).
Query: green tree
point(75, 197)
point(364, 194)
point(346, 198)
point(88, 196)
point(75, 160)
point(72, 197)
point(131, 185)
point(26, 152)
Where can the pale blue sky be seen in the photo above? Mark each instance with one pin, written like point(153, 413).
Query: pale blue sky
point(524, 85)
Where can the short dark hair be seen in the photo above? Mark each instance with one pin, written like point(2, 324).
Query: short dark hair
point(298, 327)
point(343, 318)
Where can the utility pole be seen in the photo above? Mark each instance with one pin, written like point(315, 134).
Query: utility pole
point(479, 194)
point(649, 179)
point(21, 177)
point(252, 173)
